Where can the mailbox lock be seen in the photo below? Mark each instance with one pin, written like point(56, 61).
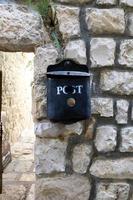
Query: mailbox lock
point(71, 102)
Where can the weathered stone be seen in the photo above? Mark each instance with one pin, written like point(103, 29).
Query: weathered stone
point(48, 129)
point(101, 21)
point(130, 27)
point(63, 187)
point(16, 80)
point(106, 2)
point(19, 165)
point(126, 53)
point(68, 18)
point(76, 50)
point(50, 156)
point(106, 55)
point(75, 1)
point(20, 28)
point(13, 192)
point(90, 126)
point(102, 106)
point(112, 191)
point(132, 113)
point(122, 111)
point(106, 138)
point(81, 157)
point(31, 194)
point(44, 56)
point(127, 2)
point(127, 139)
point(117, 82)
point(121, 168)
point(27, 177)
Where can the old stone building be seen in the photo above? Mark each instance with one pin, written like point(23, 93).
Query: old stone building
point(90, 159)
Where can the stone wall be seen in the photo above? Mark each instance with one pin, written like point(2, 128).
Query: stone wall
point(90, 159)
point(17, 71)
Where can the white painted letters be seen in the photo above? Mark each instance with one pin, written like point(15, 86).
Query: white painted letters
point(75, 89)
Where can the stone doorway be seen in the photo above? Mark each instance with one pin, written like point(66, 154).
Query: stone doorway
point(18, 127)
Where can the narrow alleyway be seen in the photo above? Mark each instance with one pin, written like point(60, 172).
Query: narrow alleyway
point(19, 177)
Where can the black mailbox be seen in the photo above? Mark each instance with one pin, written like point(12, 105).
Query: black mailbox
point(68, 92)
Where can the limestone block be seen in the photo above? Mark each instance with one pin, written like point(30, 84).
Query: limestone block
point(112, 191)
point(102, 106)
point(122, 111)
point(68, 18)
point(75, 1)
point(127, 2)
point(130, 26)
point(106, 55)
point(106, 2)
point(90, 126)
point(117, 82)
point(132, 112)
point(49, 156)
point(81, 158)
point(76, 50)
point(105, 21)
point(39, 110)
point(127, 139)
point(63, 187)
point(126, 53)
point(19, 166)
point(44, 56)
point(20, 28)
point(106, 138)
point(48, 129)
point(121, 168)
point(13, 192)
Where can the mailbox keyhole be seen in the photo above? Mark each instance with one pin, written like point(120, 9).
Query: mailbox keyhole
point(69, 89)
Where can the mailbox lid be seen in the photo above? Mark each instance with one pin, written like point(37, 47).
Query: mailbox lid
point(67, 65)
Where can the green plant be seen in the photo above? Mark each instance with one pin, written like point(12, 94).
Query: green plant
point(41, 5)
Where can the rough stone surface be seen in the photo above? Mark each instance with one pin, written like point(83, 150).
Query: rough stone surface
point(20, 28)
point(63, 187)
point(106, 2)
point(122, 111)
point(81, 158)
point(76, 50)
point(112, 191)
point(101, 21)
point(132, 113)
point(50, 156)
point(75, 1)
point(102, 106)
point(127, 139)
point(121, 168)
point(106, 138)
point(130, 27)
point(44, 56)
point(117, 82)
point(106, 55)
point(90, 126)
point(48, 129)
point(127, 2)
point(126, 53)
point(16, 80)
point(13, 192)
point(68, 18)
